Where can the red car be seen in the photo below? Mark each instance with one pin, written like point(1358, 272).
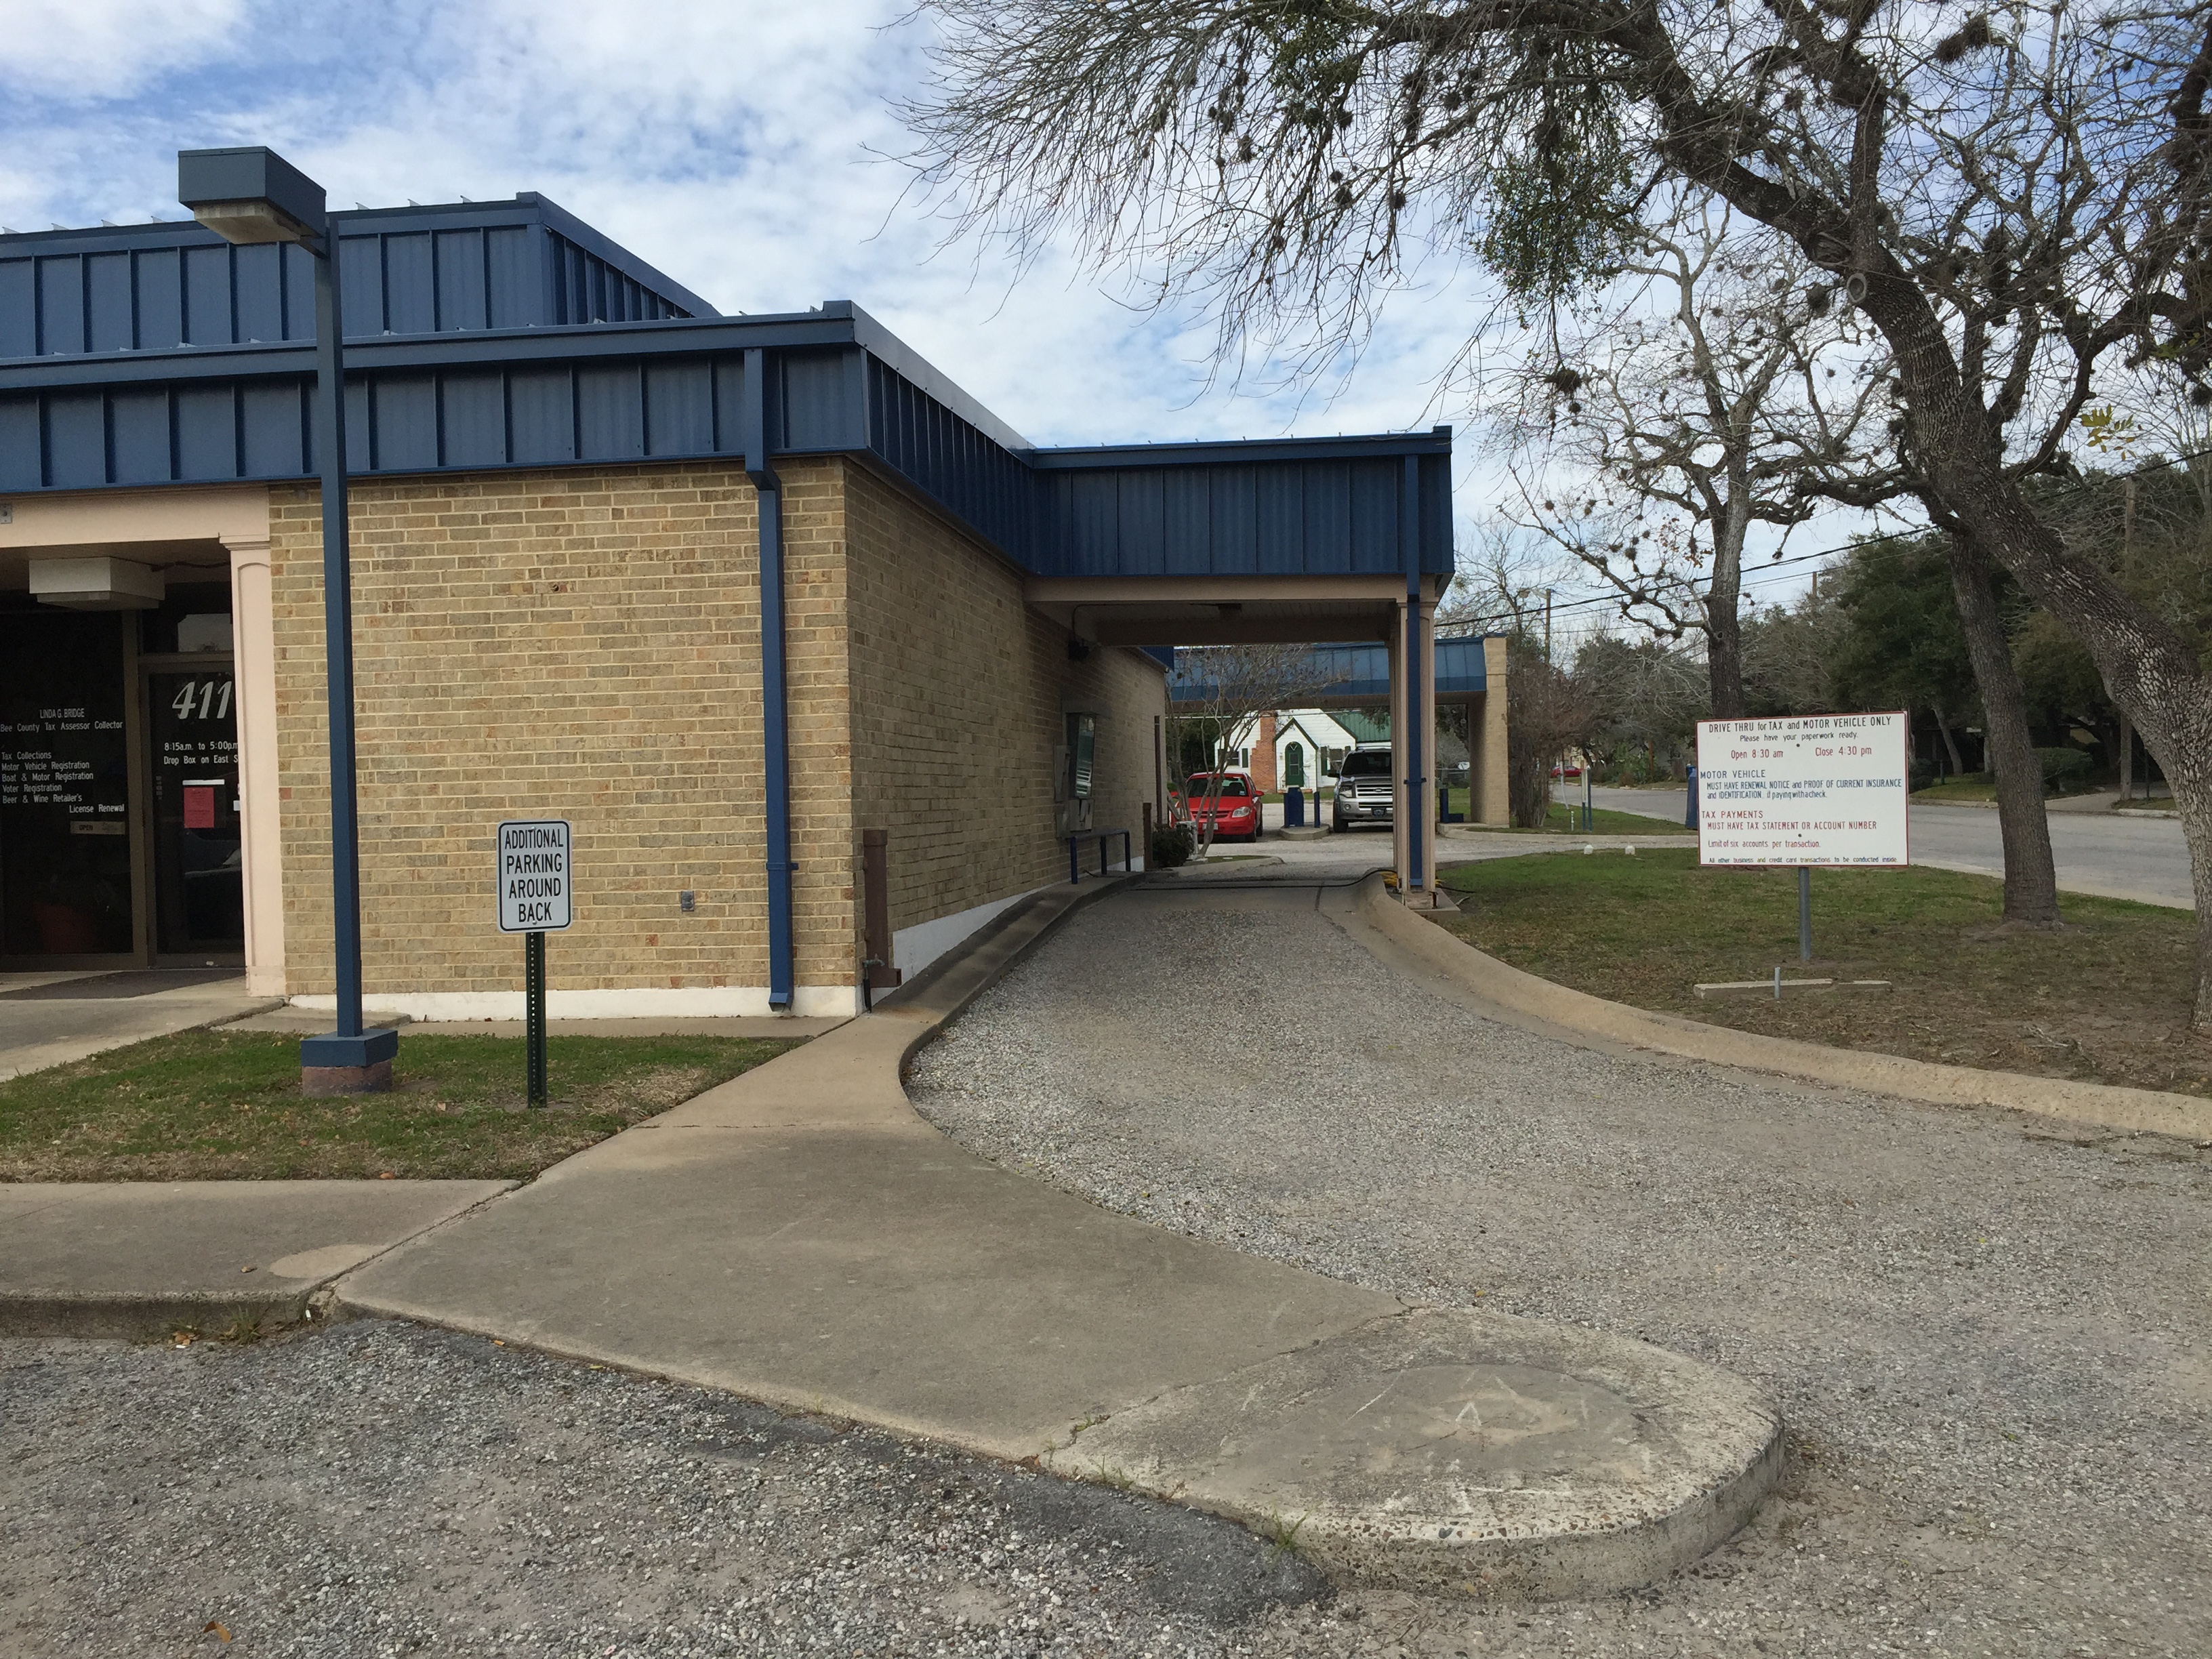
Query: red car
point(1235, 807)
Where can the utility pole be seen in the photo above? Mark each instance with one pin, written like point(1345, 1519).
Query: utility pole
point(2127, 562)
point(1548, 626)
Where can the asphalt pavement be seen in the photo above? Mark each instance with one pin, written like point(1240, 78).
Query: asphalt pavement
point(2109, 854)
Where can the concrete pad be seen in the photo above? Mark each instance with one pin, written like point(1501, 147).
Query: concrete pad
point(1448, 1449)
point(139, 1259)
point(37, 1031)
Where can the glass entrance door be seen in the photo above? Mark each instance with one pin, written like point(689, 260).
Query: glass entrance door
point(65, 854)
point(199, 896)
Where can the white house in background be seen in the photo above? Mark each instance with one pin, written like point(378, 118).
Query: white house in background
point(1291, 748)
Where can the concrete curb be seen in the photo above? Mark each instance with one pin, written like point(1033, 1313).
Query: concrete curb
point(192, 1223)
point(2104, 1105)
point(129, 1317)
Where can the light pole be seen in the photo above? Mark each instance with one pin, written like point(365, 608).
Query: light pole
point(251, 195)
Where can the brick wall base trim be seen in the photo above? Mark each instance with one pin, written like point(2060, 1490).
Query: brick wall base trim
point(633, 1002)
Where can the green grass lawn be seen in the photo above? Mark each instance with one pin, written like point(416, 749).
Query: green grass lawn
point(216, 1105)
point(1938, 794)
point(2105, 999)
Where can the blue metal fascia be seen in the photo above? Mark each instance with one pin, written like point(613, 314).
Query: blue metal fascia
point(1359, 446)
point(558, 218)
point(475, 348)
point(896, 354)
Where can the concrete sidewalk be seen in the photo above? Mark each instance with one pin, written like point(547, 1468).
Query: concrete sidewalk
point(140, 1258)
point(51, 1019)
point(801, 1236)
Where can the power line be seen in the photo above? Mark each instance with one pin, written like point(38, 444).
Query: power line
point(1769, 572)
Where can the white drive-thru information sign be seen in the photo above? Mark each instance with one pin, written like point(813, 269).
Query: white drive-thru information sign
point(1814, 789)
point(535, 889)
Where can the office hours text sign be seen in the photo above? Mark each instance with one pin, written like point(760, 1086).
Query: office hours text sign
point(1817, 789)
point(535, 885)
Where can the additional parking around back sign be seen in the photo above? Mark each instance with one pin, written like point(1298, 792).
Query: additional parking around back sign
point(1823, 789)
point(535, 888)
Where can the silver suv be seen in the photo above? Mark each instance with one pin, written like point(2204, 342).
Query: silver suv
point(1364, 790)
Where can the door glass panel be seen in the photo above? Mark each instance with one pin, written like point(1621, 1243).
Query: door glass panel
point(199, 902)
point(64, 787)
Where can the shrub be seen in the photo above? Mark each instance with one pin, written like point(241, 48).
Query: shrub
point(1171, 845)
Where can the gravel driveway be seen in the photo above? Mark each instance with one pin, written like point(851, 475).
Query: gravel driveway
point(1994, 1345)
point(386, 1490)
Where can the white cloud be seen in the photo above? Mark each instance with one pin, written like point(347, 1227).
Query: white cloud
point(81, 50)
point(740, 146)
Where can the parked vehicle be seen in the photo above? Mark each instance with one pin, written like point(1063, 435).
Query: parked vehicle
point(1364, 792)
point(1235, 803)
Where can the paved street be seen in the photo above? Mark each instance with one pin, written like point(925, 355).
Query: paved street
point(2101, 852)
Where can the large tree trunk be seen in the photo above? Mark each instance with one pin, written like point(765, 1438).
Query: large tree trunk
point(1724, 625)
point(2150, 672)
point(2030, 882)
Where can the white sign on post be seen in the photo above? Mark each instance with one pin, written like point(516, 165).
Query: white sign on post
point(1825, 789)
point(534, 884)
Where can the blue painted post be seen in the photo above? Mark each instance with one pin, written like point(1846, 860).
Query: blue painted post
point(1690, 817)
point(775, 772)
point(337, 640)
point(1409, 543)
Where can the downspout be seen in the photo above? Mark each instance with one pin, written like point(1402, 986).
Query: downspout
point(757, 424)
point(1409, 546)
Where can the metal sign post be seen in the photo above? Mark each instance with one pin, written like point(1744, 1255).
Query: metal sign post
point(536, 898)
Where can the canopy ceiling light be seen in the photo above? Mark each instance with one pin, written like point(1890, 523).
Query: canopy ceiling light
point(96, 584)
point(251, 195)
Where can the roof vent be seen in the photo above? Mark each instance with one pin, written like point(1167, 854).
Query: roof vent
point(99, 584)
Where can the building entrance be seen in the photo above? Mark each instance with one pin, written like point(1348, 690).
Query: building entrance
point(198, 851)
point(65, 842)
point(120, 841)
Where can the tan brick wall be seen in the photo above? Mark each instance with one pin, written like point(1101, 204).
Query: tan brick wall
point(569, 644)
point(958, 691)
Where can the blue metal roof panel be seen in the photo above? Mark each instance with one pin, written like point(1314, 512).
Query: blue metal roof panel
point(465, 265)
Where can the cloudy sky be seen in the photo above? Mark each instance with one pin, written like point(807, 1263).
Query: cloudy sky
point(736, 144)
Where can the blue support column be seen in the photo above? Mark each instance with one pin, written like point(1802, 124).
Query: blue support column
point(776, 736)
point(348, 1058)
point(1418, 742)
